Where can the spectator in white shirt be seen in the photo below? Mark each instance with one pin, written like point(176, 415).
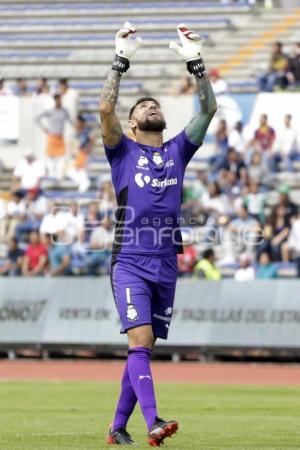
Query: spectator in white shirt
point(255, 201)
point(102, 236)
point(219, 85)
point(4, 90)
point(74, 223)
point(236, 138)
point(245, 272)
point(285, 145)
point(29, 171)
point(54, 221)
point(67, 218)
point(16, 206)
point(214, 203)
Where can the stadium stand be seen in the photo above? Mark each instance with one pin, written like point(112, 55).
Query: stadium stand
point(39, 43)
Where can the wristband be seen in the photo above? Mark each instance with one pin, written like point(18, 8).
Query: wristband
point(196, 67)
point(120, 64)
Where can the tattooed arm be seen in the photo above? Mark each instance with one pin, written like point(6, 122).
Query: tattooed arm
point(197, 127)
point(110, 123)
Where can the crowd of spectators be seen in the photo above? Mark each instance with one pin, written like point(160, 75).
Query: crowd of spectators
point(43, 86)
point(44, 237)
point(245, 214)
point(69, 138)
point(282, 74)
point(229, 202)
point(283, 71)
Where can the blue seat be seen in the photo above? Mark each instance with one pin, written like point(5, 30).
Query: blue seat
point(40, 54)
point(243, 84)
point(97, 159)
point(70, 195)
point(89, 117)
point(91, 101)
point(29, 37)
point(60, 22)
point(286, 265)
point(82, 85)
point(112, 6)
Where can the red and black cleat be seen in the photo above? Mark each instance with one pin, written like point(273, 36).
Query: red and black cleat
point(119, 437)
point(160, 430)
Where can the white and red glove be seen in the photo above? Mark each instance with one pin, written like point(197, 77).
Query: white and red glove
point(190, 49)
point(125, 47)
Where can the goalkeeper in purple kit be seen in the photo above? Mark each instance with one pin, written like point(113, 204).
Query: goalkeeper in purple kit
point(147, 174)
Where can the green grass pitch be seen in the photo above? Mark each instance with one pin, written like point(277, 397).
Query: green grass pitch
point(75, 416)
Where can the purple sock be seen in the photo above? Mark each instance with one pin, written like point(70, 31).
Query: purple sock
point(142, 383)
point(126, 403)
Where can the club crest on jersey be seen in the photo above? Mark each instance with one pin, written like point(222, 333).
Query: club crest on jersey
point(143, 161)
point(168, 311)
point(157, 159)
point(132, 314)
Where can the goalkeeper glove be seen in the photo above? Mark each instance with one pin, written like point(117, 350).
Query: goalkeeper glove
point(125, 47)
point(190, 50)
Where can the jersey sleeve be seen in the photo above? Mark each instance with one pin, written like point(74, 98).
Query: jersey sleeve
point(186, 148)
point(116, 153)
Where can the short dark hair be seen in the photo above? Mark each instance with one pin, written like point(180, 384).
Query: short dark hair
point(64, 81)
point(231, 150)
point(217, 187)
point(56, 96)
point(141, 100)
point(208, 253)
point(239, 125)
point(81, 118)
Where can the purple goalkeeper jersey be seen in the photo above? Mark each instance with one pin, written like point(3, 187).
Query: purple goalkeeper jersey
point(148, 182)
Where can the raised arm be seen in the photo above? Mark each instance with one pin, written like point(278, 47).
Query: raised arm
point(125, 48)
point(110, 123)
point(190, 50)
point(197, 127)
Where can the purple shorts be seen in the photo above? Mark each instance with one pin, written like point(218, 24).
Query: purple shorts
point(144, 290)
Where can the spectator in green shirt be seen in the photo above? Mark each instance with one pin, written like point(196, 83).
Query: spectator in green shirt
point(206, 267)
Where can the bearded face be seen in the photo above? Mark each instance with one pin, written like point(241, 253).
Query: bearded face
point(148, 117)
point(152, 123)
